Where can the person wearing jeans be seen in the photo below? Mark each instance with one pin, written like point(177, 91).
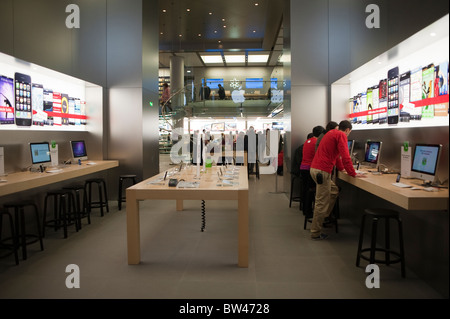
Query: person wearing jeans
point(332, 151)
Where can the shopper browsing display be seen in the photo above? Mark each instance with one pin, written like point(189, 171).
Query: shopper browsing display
point(332, 151)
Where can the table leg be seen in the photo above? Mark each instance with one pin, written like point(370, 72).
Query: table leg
point(133, 229)
point(243, 235)
point(179, 205)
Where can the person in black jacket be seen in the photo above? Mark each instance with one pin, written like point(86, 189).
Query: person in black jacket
point(221, 92)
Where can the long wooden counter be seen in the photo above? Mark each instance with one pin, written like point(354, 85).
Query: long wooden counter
point(21, 181)
point(407, 198)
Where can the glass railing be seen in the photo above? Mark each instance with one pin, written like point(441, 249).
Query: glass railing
point(215, 97)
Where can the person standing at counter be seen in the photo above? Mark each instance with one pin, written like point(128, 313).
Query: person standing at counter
point(332, 151)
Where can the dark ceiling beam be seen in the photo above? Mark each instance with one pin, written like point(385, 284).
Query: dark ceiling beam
point(273, 24)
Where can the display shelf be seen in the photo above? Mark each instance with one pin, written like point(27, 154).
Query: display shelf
point(58, 104)
point(430, 46)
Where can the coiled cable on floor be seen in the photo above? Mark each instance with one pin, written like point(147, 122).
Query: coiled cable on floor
point(203, 215)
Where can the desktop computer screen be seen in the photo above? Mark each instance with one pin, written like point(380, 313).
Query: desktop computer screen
point(78, 150)
point(373, 153)
point(40, 153)
point(350, 146)
point(425, 161)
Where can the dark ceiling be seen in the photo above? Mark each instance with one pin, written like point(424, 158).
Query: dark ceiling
point(191, 27)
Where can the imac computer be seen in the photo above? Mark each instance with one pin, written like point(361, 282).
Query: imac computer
point(78, 151)
point(425, 162)
point(372, 154)
point(351, 143)
point(40, 154)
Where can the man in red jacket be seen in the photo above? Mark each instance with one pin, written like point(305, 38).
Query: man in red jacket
point(332, 151)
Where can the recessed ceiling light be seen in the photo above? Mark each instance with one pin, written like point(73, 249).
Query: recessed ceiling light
point(235, 58)
point(215, 31)
point(258, 58)
point(254, 31)
point(188, 9)
point(219, 41)
point(180, 35)
point(164, 10)
point(199, 34)
point(210, 13)
point(212, 58)
point(223, 19)
point(224, 26)
point(256, 4)
point(161, 33)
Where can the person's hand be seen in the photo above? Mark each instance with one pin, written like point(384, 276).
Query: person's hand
point(361, 175)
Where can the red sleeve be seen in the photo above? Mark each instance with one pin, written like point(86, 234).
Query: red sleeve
point(344, 159)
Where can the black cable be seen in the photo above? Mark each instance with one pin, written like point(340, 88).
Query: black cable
point(203, 215)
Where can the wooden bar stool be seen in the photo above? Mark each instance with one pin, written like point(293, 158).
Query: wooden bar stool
point(24, 238)
point(122, 178)
point(376, 214)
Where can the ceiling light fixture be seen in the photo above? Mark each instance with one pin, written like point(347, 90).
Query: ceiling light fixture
point(258, 58)
point(209, 59)
point(164, 10)
point(188, 10)
point(235, 58)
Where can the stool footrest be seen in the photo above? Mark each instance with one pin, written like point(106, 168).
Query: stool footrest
point(382, 261)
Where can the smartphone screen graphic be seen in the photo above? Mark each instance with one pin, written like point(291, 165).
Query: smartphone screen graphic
point(71, 110)
point(77, 110)
point(428, 90)
point(6, 100)
point(416, 92)
point(64, 109)
point(375, 103)
point(37, 103)
point(48, 105)
point(393, 86)
point(383, 100)
point(406, 107)
point(23, 99)
point(57, 120)
point(369, 105)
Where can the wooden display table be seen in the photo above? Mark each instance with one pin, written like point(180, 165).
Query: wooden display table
point(208, 189)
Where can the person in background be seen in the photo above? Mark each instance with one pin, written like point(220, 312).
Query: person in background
point(332, 151)
point(221, 92)
point(308, 152)
point(330, 126)
point(165, 97)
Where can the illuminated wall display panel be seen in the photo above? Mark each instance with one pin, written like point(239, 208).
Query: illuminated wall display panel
point(36, 98)
point(406, 86)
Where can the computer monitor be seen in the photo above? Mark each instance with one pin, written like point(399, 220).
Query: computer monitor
point(372, 154)
point(425, 162)
point(40, 154)
point(78, 150)
point(350, 146)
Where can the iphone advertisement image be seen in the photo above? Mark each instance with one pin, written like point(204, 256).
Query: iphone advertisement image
point(23, 99)
point(6, 100)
